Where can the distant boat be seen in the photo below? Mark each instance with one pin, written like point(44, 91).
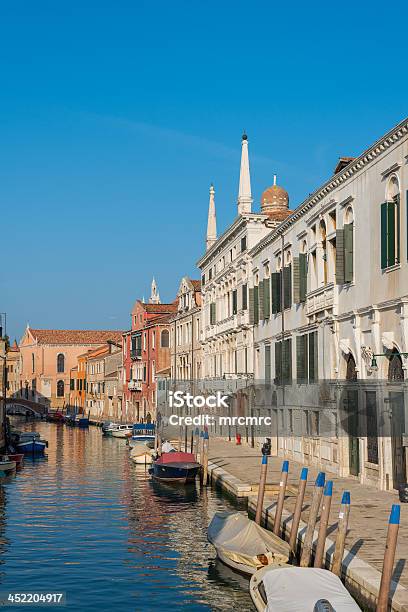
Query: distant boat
point(175, 467)
point(289, 588)
point(7, 466)
point(29, 442)
point(108, 427)
point(122, 431)
point(55, 417)
point(244, 545)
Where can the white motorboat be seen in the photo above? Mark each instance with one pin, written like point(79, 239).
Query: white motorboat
point(122, 431)
point(108, 427)
point(244, 545)
point(299, 589)
point(141, 454)
point(147, 439)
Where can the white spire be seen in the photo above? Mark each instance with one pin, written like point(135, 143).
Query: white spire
point(154, 296)
point(212, 220)
point(244, 194)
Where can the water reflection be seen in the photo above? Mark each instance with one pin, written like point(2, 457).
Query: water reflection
point(91, 523)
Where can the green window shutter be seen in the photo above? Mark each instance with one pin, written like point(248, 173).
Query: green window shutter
point(267, 298)
point(212, 313)
point(390, 233)
point(251, 306)
point(278, 362)
point(313, 357)
point(261, 300)
point(296, 280)
point(256, 305)
point(267, 362)
point(276, 292)
point(340, 274)
point(244, 297)
point(398, 213)
point(301, 359)
point(287, 360)
point(348, 253)
point(384, 232)
point(234, 302)
point(302, 277)
point(287, 286)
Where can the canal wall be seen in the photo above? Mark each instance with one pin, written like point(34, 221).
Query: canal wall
point(361, 578)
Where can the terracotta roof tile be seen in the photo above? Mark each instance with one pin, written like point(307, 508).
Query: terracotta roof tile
point(75, 336)
point(159, 308)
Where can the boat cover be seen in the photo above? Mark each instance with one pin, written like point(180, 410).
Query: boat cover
point(176, 457)
point(138, 450)
point(242, 540)
point(297, 589)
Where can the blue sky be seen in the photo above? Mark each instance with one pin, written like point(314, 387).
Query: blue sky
point(116, 116)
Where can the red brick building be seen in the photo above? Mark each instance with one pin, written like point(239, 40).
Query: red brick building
point(146, 350)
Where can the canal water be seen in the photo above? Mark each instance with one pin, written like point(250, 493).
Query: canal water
point(88, 522)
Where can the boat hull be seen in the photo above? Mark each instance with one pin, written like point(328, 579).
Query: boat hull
point(31, 447)
point(142, 459)
point(17, 457)
point(7, 466)
point(121, 434)
point(175, 472)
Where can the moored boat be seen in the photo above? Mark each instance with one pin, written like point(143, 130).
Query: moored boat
point(122, 431)
point(289, 588)
point(29, 442)
point(141, 454)
point(244, 545)
point(142, 432)
point(175, 467)
point(17, 457)
point(7, 466)
point(55, 417)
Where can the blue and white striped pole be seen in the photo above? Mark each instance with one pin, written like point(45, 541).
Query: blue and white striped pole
point(281, 497)
point(314, 511)
point(298, 509)
point(324, 521)
point(261, 490)
point(342, 526)
point(389, 556)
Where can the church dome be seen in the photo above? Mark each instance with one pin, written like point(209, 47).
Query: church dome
point(275, 202)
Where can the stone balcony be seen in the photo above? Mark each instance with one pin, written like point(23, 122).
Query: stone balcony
point(320, 299)
point(135, 385)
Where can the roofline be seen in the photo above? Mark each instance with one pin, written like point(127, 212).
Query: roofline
point(356, 164)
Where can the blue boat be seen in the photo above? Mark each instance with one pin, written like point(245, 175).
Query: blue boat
point(175, 467)
point(142, 433)
point(29, 442)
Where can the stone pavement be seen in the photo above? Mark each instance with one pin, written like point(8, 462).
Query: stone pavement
point(369, 508)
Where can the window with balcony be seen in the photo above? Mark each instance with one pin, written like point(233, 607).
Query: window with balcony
point(283, 361)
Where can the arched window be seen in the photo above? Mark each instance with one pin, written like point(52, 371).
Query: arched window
point(164, 339)
point(60, 388)
point(390, 225)
point(324, 249)
point(395, 371)
point(60, 363)
point(351, 373)
point(348, 245)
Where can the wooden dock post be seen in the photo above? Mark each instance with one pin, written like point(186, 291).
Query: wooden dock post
point(298, 509)
point(341, 533)
point(324, 521)
point(197, 440)
point(192, 441)
point(261, 490)
point(180, 439)
point(314, 511)
point(204, 471)
point(389, 556)
point(201, 446)
point(281, 497)
point(185, 438)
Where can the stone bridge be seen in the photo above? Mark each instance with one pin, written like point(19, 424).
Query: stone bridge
point(19, 404)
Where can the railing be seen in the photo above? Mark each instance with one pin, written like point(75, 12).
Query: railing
point(320, 299)
point(136, 353)
point(135, 385)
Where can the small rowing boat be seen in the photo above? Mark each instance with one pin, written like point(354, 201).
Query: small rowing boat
point(17, 457)
point(299, 589)
point(175, 467)
point(29, 442)
point(244, 545)
point(7, 466)
point(141, 454)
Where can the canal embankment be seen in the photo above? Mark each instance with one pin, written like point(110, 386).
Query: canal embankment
point(235, 469)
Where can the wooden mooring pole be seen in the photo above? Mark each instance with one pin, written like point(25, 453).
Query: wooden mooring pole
point(324, 521)
point(192, 441)
point(389, 556)
point(314, 511)
point(204, 463)
point(341, 533)
point(298, 509)
point(261, 490)
point(197, 440)
point(281, 497)
point(185, 438)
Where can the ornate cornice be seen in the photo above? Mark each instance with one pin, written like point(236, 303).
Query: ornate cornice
point(355, 165)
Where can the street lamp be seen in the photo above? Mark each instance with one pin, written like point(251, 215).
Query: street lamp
point(374, 365)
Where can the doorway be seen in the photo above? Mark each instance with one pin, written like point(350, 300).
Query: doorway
point(398, 429)
point(352, 418)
